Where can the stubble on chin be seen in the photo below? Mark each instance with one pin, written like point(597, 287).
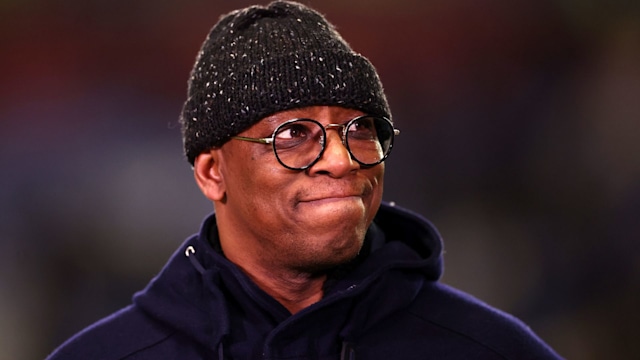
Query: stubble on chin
point(342, 234)
point(315, 259)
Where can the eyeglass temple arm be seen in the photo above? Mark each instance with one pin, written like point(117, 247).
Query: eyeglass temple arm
point(256, 140)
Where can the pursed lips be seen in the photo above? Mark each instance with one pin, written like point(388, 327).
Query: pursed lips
point(331, 198)
point(335, 193)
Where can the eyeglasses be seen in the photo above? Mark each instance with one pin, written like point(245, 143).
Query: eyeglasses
point(299, 143)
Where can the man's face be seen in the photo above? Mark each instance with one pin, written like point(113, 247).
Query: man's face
point(306, 221)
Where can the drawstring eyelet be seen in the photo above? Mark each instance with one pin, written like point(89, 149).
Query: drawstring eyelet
point(190, 250)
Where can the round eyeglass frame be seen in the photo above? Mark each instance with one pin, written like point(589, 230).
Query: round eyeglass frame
point(324, 128)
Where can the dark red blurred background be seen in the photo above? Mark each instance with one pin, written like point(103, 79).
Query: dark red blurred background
point(520, 141)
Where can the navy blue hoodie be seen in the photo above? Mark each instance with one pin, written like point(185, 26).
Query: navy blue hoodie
point(386, 304)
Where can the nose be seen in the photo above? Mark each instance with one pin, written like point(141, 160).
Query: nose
point(335, 160)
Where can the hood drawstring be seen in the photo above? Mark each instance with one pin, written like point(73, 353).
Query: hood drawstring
point(194, 261)
point(348, 352)
point(190, 252)
point(220, 351)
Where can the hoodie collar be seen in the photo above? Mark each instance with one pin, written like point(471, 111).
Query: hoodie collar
point(191, 294)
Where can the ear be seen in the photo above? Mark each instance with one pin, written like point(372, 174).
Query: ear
point(206, 170)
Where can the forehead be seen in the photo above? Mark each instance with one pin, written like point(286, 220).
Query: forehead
point(323, 114)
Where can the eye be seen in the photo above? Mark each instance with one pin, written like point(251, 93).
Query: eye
point(293, 131)
point(362, 129)
point(296, 133)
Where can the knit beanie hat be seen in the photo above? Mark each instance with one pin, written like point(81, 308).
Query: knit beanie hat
point(260, 60)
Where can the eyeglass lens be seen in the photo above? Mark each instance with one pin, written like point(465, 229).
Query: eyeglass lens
point(299, 143)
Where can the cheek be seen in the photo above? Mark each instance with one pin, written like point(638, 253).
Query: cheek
point(377, 179)
point(263, 183)
point(250, 167)
point(377, 182)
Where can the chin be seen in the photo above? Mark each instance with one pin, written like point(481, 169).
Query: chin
point(332, 255)
point(342, 223)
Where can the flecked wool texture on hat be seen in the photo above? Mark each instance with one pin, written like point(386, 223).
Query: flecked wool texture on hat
point(259, 61)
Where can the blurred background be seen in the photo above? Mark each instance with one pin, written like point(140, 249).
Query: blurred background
point(520, 141)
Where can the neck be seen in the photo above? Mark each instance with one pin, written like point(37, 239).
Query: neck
point(292, 287)
point(295, 291)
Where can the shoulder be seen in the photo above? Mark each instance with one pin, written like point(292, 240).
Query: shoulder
point(467, 317)
point(118, 336)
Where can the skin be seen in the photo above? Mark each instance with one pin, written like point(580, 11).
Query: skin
point(285, 229)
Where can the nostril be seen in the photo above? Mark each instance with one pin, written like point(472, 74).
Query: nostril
point(319, 172)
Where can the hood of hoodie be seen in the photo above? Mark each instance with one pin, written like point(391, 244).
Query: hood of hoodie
point(206, 298)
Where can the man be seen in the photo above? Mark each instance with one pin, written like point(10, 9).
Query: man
point(287, 129)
